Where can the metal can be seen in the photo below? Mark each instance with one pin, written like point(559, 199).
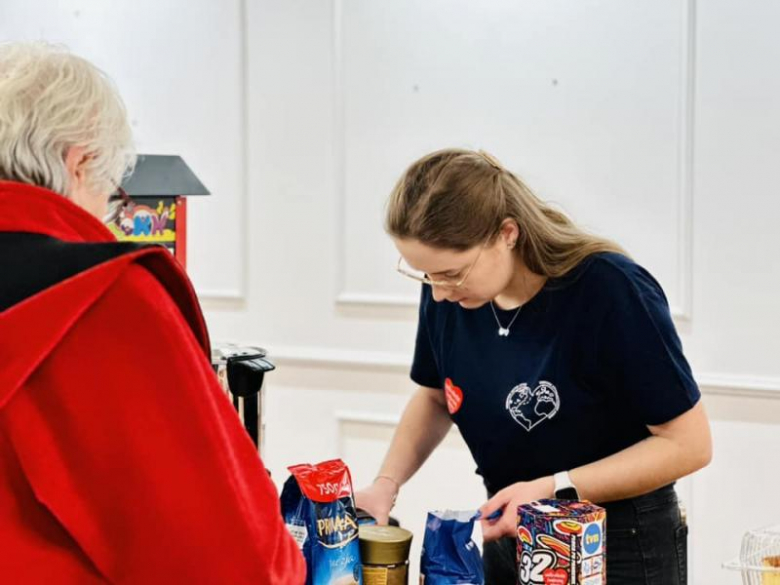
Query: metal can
point(384, 552)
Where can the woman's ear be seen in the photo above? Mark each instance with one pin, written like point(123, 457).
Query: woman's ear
point(509, 232)
point(75, 162)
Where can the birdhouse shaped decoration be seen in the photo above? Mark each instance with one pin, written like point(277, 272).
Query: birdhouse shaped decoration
point(155, 210)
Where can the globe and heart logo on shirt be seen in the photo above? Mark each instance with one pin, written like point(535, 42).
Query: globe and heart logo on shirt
point(527, 406)
point(532, 406)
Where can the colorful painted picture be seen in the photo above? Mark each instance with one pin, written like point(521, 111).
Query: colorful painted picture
point(151, 220)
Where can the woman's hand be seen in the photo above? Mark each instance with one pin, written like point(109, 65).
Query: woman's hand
point(378, 499)
point(509, 499)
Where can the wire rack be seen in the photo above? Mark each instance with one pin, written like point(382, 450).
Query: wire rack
point(759, 557)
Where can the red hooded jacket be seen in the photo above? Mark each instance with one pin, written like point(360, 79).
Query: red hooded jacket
point(122, 460)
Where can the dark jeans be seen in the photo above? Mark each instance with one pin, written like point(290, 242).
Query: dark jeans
point(647, 544)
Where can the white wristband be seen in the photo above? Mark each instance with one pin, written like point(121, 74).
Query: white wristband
point(563, 482)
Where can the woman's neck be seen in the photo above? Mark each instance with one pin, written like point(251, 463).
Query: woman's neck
point(523, 286)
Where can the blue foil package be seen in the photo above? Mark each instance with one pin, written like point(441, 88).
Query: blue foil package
point(319, 510)
point(449, 554)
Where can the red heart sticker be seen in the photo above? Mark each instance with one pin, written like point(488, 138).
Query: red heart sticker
point(453, 395)
point(555, 577)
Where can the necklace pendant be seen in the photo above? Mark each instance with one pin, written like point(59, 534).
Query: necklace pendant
point(503, 332)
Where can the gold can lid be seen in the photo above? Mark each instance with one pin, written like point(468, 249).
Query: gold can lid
point(384, 545)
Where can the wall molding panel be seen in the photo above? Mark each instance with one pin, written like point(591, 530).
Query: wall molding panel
point(237, 297)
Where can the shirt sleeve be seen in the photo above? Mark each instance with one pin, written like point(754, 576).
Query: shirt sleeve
point(126, 437)
point(425, 370)
point(640, 352)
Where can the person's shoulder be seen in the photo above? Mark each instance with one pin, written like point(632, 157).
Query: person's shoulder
point(140, 285)
point(152, 293)
point(136, 298)
point(614, 274)
point(610, 265)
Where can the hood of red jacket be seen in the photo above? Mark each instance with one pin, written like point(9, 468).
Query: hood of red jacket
point(31, 330)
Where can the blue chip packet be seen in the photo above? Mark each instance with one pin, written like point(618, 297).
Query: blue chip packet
point(449, 554)
point(319, 510)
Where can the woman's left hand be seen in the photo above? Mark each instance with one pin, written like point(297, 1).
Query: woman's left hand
point(509, 499)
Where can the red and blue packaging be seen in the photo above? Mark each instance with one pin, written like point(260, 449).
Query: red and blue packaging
point(318, 507)
point(561, 542)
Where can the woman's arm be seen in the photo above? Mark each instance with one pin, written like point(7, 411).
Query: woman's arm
point(675, 449)
point(425, 422)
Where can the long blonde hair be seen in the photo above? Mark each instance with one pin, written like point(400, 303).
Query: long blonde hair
point(51, 100)
point(457, 199)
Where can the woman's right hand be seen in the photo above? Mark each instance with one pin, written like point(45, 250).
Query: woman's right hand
point(378, 499)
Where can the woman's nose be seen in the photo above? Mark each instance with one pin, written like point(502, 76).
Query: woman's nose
point(440, 293)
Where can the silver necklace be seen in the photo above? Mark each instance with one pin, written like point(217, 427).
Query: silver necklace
point(504, 331)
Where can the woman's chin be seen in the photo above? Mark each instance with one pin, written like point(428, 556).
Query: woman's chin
point(471, 303)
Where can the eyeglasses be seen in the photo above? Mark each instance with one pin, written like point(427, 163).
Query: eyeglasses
point(455, 282)
point(117, 204)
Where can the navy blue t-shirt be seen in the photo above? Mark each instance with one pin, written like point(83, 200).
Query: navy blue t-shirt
point(591, 360)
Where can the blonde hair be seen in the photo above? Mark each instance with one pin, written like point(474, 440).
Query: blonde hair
point(457, 199)
point(50, 101)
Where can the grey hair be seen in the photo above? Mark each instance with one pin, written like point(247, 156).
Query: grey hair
point(50, 101)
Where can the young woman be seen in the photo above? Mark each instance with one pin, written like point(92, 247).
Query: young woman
point(554, 354)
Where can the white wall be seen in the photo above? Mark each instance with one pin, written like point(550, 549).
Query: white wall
point(652, 122)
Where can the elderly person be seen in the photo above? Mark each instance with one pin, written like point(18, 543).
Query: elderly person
point(122, 461)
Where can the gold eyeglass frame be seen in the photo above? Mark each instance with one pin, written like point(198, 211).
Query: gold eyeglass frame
point(441, 283)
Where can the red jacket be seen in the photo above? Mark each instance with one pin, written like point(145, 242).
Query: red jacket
point(122, 460)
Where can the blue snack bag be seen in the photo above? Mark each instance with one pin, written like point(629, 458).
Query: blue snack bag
point(449, 555)
point(319, 510)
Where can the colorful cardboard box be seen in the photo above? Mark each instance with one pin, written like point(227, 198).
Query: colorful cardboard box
point(561, 542)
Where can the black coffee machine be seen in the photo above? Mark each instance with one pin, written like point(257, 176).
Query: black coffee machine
point(241, 372)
